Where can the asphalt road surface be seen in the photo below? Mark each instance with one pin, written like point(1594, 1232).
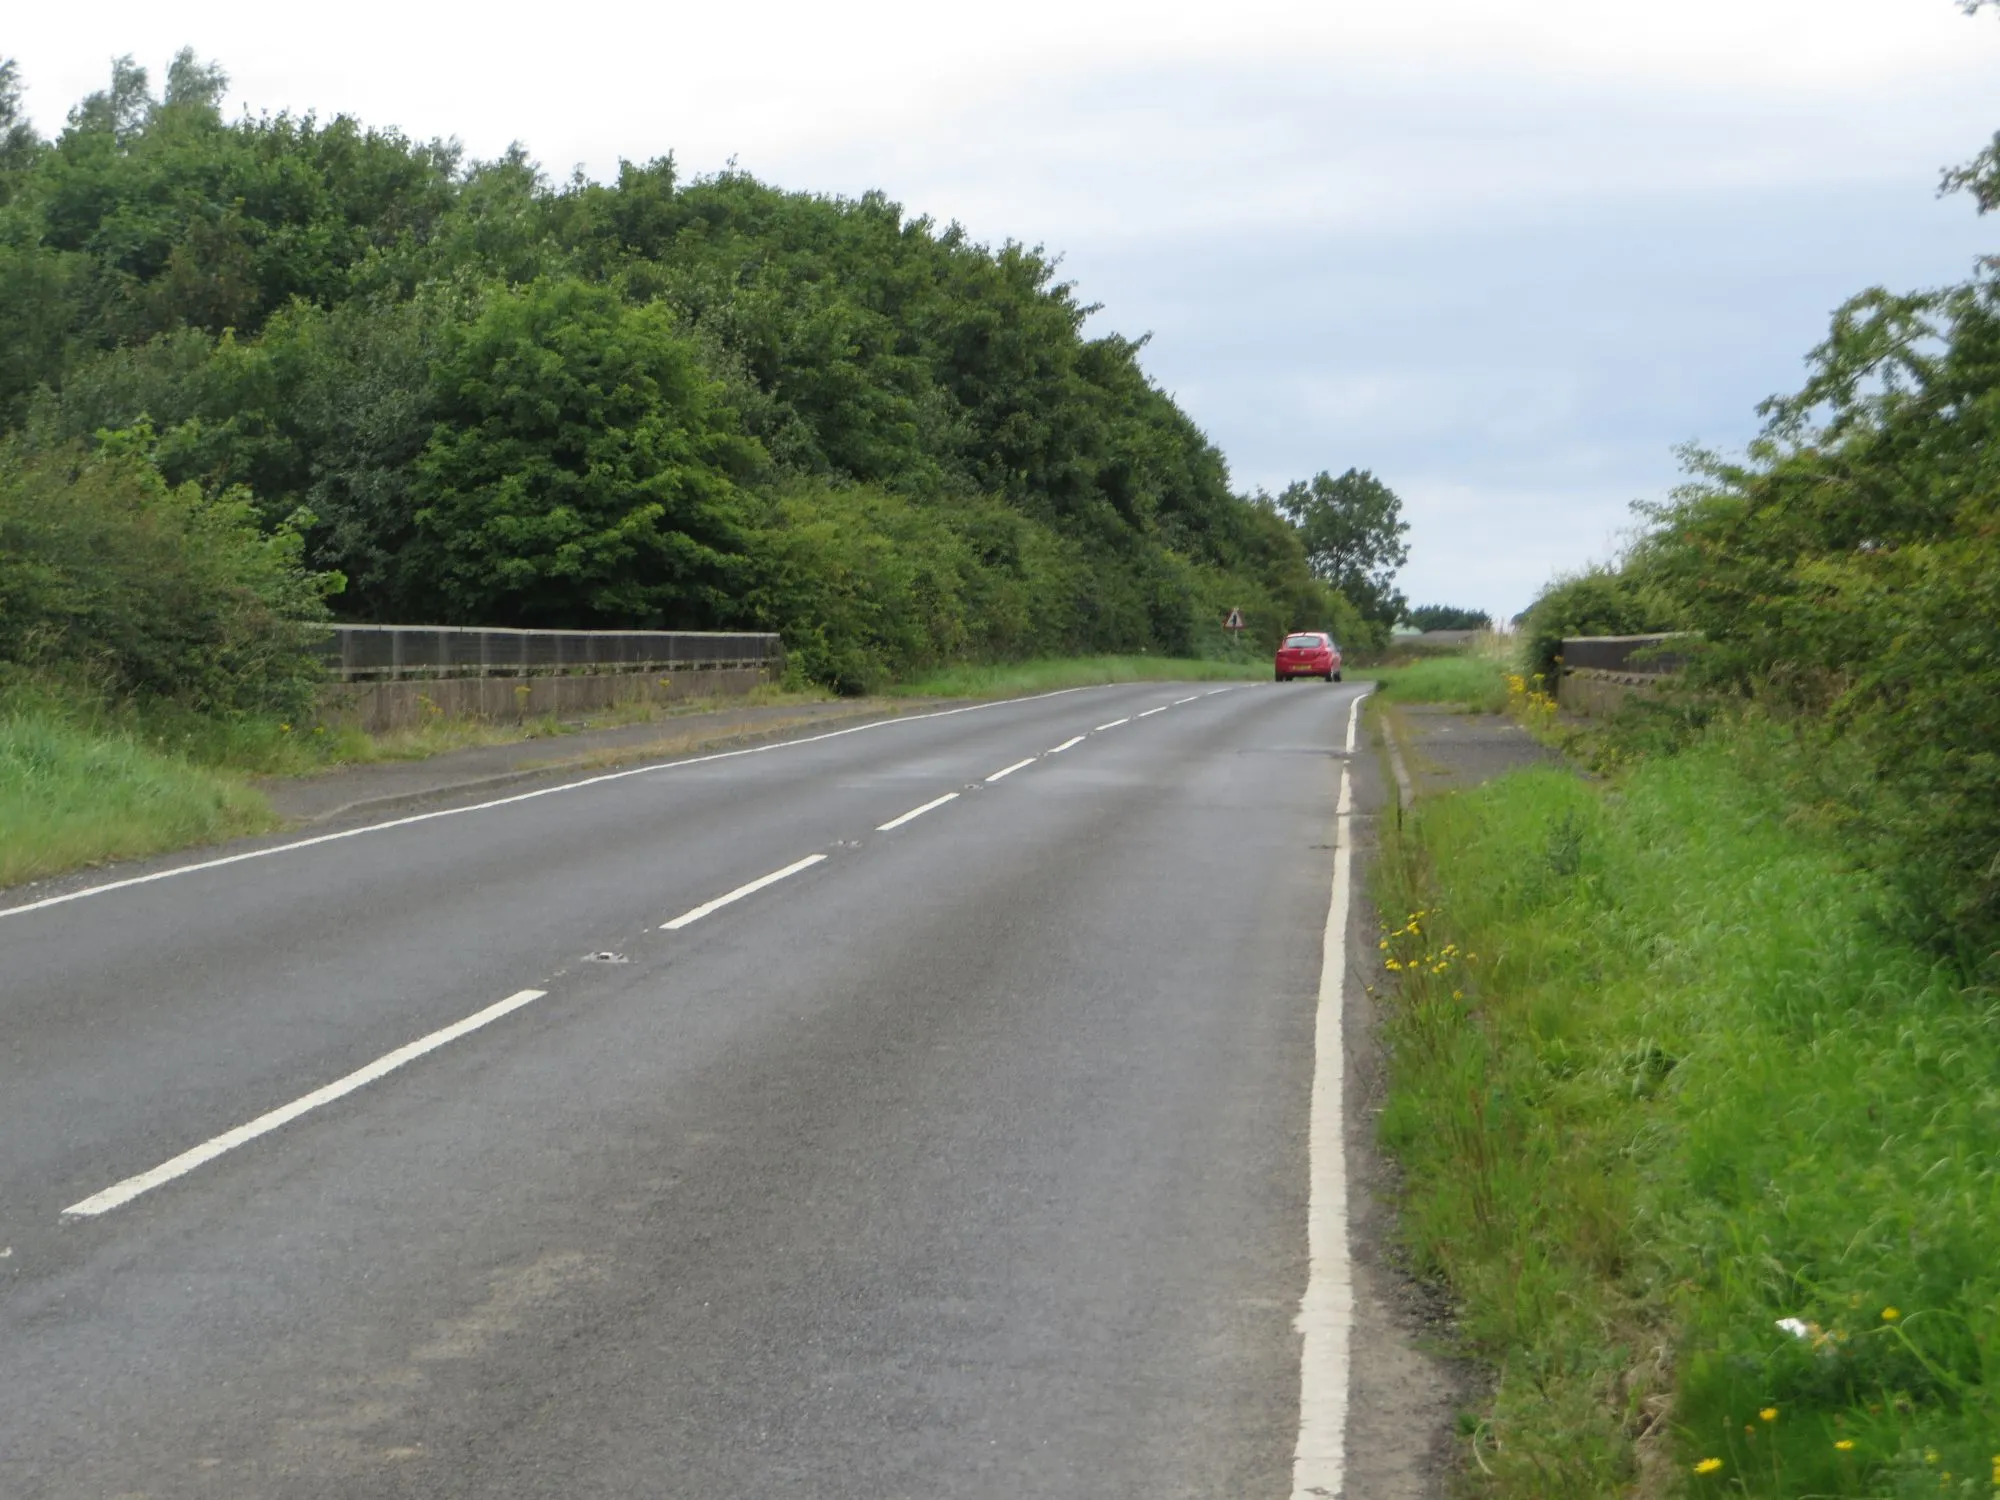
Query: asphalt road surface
point(492, 1153)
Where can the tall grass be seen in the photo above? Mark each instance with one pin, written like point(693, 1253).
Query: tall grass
point(72, 796)
point(1077, 671)
point(1475, 681)
point(1661, 1081)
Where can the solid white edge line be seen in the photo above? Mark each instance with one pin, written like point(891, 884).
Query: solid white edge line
point(121, 1193)
point(1151, 711)
point(1354, 718)
point(656, 768)
point(687, 918)
point(916, 812)
point(1326, 1311)
point(1073, 740)
point(1006, 771)
point(1112, 725)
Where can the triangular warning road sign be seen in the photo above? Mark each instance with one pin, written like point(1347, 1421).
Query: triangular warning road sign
point(1235, 620)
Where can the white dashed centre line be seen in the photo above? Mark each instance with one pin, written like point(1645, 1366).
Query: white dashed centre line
point(1112, 725)
point(916, 812)
point(121, 1193)
point(688, 918)
point(1160, 710)
point(1076, 739)
point(1189, 699)
point(1006, 771)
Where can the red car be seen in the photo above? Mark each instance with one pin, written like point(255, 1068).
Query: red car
point(1308, 654)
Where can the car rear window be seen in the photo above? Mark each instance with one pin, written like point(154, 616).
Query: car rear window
point(1304, 641)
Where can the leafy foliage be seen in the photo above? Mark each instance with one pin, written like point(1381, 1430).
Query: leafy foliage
point(1448, 617)
point(154, 590)
point(1597, 601)
point(579, 473)
point(641, 402)
point(1353, 531)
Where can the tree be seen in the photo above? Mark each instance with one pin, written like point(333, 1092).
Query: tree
point(18, 143)
point(1353, 531)
point(1448, 617)
point(581, 472)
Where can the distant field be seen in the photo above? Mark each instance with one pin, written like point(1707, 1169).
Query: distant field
point(1079, 671)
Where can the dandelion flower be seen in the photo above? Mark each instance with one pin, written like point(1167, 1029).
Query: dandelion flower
point(1708, 1466)
point(1889, 1315)
point(1845, 1445)
point(1768, 1414)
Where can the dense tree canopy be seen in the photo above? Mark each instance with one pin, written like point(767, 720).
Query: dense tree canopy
point(481, 397)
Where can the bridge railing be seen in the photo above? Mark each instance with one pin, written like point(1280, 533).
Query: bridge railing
point(363, 653)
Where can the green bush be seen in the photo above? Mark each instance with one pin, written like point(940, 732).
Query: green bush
point(149, 590)
point(1598, 601)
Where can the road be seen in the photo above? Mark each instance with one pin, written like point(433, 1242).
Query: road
point(972, 1157)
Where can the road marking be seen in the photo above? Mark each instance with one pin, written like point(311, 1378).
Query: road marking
point(124, 1192)
point(1326, 1311)
point(1151, 711)
point(1189, 699)
point(1112, 725)
point(656, 768)
point(1006, 771)
point(1075, 739)
point(1213, 693)
point(916, 812)
point(688, 918)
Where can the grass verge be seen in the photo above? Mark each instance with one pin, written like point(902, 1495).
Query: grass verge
point(1473, 682)
point(1706, 1156)
point(72, 796)
point(1016, 678)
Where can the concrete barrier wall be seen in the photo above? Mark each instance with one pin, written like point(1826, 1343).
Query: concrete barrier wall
point(382, 707)
point(1585, 690)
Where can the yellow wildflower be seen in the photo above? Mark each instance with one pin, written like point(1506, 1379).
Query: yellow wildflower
point(1769, 1414)
point(1708, 1466)
point(1889, 1315)
point(1845, 1445)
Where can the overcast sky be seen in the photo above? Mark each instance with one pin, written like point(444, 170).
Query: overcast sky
point(1506, 253)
